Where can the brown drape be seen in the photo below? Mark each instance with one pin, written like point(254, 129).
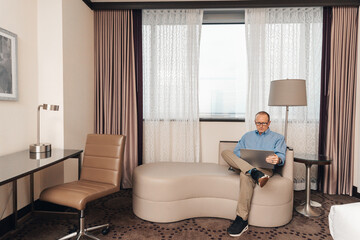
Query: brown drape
point(325, 71)
point(338, 177)
point(139, 78)
point(115, 83)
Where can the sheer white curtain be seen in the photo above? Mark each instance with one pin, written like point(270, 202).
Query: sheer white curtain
point(286, 43)
point(171, 46)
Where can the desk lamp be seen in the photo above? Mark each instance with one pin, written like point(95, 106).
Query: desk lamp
point(42, 147)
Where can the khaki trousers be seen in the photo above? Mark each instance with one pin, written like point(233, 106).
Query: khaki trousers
point(247, 183)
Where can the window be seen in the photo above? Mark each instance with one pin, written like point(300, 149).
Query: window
point(222, 72)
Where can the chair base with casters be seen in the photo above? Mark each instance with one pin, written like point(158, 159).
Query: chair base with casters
point(85, 231)
point(100, 176)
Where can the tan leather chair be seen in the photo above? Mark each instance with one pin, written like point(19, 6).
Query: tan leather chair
point(100, 176)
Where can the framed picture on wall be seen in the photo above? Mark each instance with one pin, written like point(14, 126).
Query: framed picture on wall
point(8, 65)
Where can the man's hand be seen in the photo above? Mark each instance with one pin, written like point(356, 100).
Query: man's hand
point(273, 159)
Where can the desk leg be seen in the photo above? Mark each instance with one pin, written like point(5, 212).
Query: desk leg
point(306, 209)
point(32, 191)
point(15, 203)
point(79, 165)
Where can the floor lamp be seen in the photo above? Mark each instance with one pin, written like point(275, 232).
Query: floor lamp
point(287, 92)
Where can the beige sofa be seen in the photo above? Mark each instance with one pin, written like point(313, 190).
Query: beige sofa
point(169, 192)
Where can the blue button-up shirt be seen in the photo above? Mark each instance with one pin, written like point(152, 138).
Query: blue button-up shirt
point(268, 140)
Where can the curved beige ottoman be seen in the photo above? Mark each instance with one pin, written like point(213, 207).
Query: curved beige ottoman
point(169, 192)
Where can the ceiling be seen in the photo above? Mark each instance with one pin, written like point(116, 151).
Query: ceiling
point(163, 4)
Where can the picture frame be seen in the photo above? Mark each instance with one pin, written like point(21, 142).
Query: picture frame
point(8, 66)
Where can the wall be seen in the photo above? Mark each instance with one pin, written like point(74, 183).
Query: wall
point(18, 119)
point(50, 75)
point(78, 62)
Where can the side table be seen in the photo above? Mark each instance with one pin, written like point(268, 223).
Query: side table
point(309, 160)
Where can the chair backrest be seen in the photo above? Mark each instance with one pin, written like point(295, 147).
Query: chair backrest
point(225, 145)
point(286, 171)
point(103, 158)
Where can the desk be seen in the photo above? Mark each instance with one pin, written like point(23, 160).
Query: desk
point(21, 164)
point(309, 160)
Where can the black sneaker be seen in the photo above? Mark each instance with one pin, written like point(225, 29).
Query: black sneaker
point(259, 177)
point(238, 227)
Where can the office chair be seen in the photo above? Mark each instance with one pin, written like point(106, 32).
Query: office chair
point(100, 176)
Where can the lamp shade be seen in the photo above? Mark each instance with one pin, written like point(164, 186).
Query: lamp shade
point(288, 92)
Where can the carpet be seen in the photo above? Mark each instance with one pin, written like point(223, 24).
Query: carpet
point(117, 209)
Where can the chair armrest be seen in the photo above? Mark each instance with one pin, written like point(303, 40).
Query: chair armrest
point(287, 170)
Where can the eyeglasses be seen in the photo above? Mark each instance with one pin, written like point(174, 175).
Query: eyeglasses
point(261, 123)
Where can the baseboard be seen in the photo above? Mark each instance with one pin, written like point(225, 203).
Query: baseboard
point(355, 192)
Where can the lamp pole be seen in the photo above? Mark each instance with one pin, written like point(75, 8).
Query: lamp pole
point(38, 125)
point(286, 122)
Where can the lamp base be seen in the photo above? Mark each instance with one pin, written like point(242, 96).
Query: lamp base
point(40, 155)
point(42, 147)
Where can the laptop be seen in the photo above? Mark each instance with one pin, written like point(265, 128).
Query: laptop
point(257, 158)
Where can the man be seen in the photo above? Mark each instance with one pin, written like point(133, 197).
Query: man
point(261, 139)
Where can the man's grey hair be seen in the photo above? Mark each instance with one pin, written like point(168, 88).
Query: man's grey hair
point(263, 113)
